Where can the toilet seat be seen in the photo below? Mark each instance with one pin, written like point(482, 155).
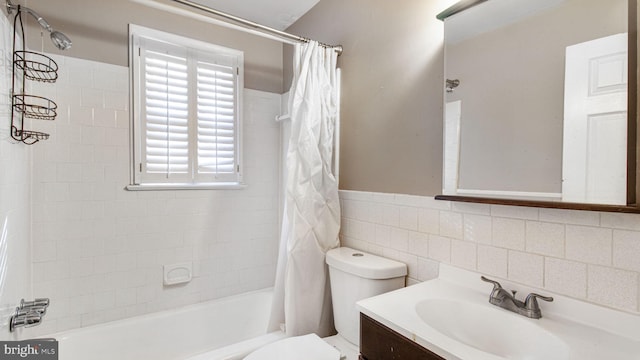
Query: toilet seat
point(308, 347)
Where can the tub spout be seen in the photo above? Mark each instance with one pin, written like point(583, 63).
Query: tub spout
point(20, 319)
point(29, 313)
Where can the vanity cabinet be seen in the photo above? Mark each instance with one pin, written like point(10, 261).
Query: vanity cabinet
point(378, 342)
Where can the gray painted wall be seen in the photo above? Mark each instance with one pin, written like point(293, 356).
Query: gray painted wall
point(392, 90)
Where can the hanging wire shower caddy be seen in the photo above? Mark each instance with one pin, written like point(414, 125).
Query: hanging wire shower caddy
point(35, 67)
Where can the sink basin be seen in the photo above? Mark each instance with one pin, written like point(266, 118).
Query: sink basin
point(451, 317)
point(494, 331)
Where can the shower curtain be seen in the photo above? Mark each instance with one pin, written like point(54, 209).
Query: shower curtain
point(311, 219)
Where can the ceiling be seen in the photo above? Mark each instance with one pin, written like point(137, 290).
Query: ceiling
point(279, 14)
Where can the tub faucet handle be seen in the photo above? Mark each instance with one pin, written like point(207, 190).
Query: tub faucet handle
point(38, 302)
point(41, 310)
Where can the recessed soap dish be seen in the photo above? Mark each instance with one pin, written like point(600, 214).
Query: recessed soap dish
point(179, 273)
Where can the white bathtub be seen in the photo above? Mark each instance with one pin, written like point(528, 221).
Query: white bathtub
point(227, 328)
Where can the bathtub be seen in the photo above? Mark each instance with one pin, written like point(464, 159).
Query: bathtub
point(222, 329)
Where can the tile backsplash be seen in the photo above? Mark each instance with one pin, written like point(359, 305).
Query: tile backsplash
point(591, 256)
point(98, 249)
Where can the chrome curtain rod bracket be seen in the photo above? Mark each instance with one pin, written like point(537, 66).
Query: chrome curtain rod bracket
point(253, 25)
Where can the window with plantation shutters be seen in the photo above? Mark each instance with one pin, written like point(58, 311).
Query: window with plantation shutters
point(186, 118)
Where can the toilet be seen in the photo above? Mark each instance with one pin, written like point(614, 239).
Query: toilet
point(354, 275)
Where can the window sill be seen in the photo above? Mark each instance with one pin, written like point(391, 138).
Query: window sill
point(161, 187)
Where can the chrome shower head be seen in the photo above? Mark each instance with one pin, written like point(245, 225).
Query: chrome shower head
point(60, 40)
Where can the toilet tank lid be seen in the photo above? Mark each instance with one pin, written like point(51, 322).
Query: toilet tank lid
point(365, 265)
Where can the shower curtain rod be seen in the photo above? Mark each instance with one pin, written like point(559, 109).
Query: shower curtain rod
point(255, 26)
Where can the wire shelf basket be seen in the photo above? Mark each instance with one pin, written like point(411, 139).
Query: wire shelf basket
point(29, 137)
point(35, 107)
point(36, 66)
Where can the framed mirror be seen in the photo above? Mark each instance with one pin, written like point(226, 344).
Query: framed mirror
point(540, 103)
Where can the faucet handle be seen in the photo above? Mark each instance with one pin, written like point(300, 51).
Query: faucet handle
point(40, 310)
point(531, 299)
point(38, 302)
point(531, 304)
point(496, 285)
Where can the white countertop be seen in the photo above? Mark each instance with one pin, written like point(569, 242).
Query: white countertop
point(588, 331)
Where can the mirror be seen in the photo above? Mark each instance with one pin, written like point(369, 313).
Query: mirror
point(536, 101)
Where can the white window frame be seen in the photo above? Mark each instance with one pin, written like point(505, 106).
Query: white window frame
point(141, 38)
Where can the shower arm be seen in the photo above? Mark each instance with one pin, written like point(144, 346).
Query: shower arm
point(45, 25)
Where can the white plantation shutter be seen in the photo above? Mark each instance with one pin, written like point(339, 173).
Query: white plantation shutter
point(166, 116)
point(217, 89)
point(186, 111)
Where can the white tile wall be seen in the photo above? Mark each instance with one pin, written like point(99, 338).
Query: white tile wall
point(15, 178)
point(492, 260)
point(545, 238)
point(626, 250)
point(589, 244)
point(99, 249)
point(566, 277)
point(614, 287)
point(591, 256)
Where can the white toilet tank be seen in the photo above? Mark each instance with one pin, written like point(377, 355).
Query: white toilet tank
point(355, 275)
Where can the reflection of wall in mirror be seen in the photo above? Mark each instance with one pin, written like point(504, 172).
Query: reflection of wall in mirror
point(512, 84)
point(451, 147)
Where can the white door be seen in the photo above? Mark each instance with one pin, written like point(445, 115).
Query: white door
point(594, 163)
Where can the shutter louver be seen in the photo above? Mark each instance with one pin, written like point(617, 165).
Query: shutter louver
point(167, 114)
point(216, 87)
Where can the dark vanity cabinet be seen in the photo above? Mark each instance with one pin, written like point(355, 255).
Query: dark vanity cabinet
point(378, 342)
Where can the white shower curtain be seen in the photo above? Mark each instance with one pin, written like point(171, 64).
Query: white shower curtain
point(311, 219)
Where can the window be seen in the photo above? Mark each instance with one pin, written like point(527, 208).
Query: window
point(186, 111)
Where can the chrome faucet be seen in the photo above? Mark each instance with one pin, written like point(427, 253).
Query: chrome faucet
point(501, 297)
point(38, 305)
point(23, 318)
point(29, 313)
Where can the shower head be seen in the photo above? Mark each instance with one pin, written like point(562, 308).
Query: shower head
point(60, 40)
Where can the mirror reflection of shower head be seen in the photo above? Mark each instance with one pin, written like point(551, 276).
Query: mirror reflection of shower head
point(60, 40)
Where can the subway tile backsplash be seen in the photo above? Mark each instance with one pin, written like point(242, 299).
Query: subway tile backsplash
point(587, 255)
